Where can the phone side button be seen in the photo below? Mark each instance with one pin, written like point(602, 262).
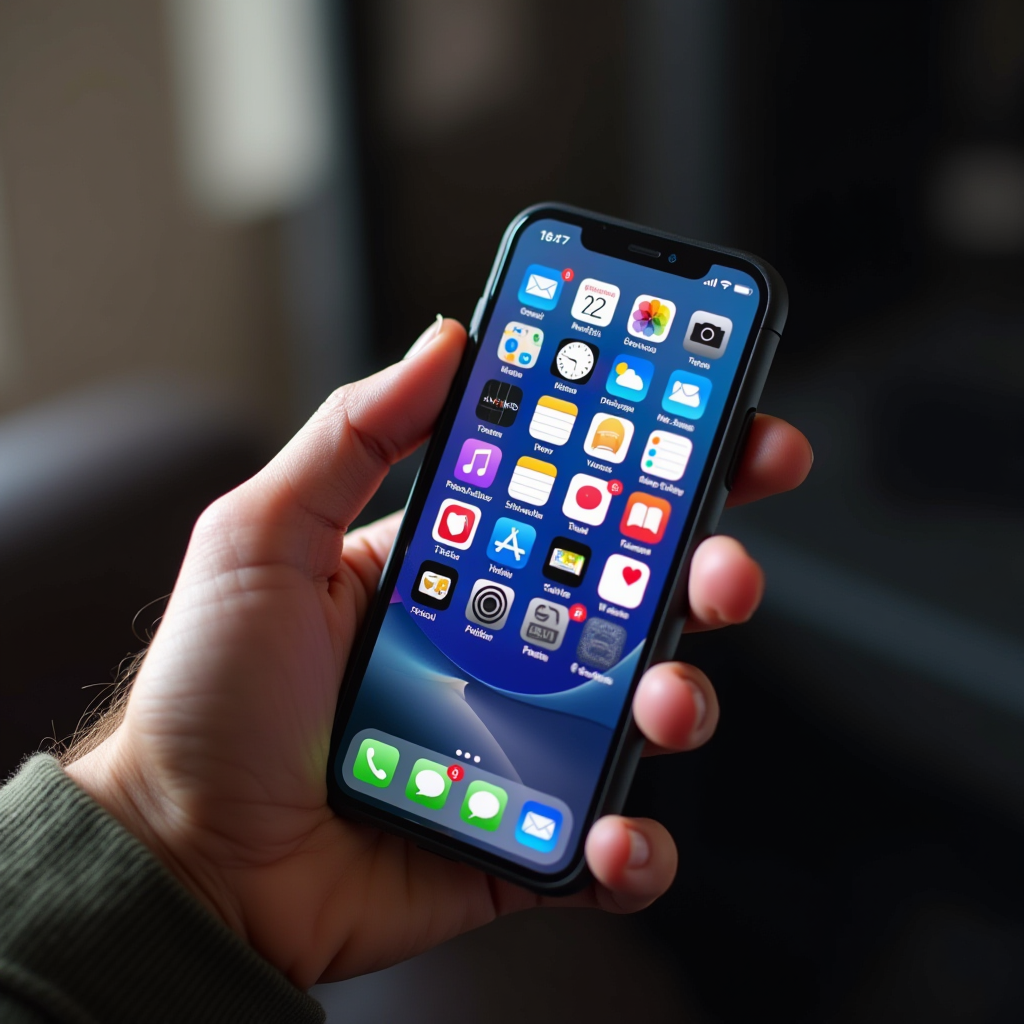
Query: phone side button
point(478, 312)
point(741, 444)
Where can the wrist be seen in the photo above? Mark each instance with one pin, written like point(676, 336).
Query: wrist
point(121, 789)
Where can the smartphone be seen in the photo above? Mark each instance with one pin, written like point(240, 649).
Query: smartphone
point(587, 446)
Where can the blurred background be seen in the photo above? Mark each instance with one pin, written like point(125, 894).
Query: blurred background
point(213, 212)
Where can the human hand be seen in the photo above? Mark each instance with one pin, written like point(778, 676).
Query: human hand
point(219, 763)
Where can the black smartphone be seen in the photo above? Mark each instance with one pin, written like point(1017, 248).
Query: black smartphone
point(587, 446)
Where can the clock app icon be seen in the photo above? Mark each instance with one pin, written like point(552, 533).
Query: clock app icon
point(575, 360)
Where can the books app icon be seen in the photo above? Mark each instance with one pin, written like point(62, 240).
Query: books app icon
point(645, 517)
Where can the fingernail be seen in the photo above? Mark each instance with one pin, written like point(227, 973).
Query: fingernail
point(639, 850)
point(426, 337)
point(700, 705)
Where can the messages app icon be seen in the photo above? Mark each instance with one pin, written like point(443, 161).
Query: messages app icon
point(541, 287)
point(428, 783)
point(484, 805)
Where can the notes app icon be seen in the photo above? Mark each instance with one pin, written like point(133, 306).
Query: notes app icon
point(553, 420)
point(532, 481)
point(478, 462)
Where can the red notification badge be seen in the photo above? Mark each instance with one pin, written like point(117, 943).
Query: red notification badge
point(456, 772)
point(567, 274)
point(615, 487)
point(578, 613)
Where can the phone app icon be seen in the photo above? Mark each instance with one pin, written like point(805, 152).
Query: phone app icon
point(541, 287)
point(630, 378)
point(595, 302)
point(545, 623)
point(511, 543)
point(499, 403)
point(478, 462)
point(686, 395)
point(608, 437)
point(538, 826)
point(435, 584)
point(428, 783)
point(651, 318)
point(553, 420)
point(708, 334)
point(666, 455)
point(489, 604)
point(375, 763)
point(567, 561)
point(520, 344)
point(575, 360)
point(484, 805)
point(624, 581)
point(645, 517)
point(601, 643)
point(588, 499)
point(532, 481)
point(456, 523)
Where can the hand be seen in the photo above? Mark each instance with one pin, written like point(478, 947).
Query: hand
point(219, 763)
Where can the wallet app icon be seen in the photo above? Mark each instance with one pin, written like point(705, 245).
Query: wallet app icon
point(539, 826)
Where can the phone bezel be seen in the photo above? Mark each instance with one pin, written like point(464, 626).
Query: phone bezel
point(611, 237)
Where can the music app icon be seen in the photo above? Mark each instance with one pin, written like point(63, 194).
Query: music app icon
point(478, 462)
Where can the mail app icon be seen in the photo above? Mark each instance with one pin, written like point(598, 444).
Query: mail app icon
point(539, 826)
point(541, 287)
point(686, 395)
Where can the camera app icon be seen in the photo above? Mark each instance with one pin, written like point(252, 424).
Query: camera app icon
point(707, 335)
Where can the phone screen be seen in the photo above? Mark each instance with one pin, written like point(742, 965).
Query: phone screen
point(522, 603)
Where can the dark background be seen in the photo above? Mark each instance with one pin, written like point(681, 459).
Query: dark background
point(850, 841)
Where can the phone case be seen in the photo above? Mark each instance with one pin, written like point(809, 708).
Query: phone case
point(667, 629)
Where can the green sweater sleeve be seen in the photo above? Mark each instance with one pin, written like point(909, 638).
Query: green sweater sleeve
point(94, 929)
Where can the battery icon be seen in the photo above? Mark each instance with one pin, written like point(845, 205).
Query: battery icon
point(742, 289)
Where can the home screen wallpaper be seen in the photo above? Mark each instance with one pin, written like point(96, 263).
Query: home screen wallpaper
point(525, 596)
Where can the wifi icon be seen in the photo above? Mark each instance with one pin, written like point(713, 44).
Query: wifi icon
point(725, 284)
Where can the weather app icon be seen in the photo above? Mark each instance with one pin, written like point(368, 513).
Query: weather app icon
point(630, 378)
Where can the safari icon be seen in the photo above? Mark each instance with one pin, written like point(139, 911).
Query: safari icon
point(428, 783)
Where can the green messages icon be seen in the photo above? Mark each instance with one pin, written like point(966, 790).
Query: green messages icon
point(375, 763)
point(428, 783)
point(484, 805)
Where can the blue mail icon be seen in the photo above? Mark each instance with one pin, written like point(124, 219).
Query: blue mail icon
point(539, 826)
point(542, 287)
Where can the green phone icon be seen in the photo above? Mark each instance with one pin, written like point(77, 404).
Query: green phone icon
point(484, 805)
point(375, 763)
point(428, 783)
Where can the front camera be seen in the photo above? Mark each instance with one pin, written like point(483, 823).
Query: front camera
point(671, 257)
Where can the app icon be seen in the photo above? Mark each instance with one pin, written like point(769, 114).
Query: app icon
point(575, 360)
point(608, 437)
point(707, 335)
point(601, 643)
point(686, 395)
point(484, 805)
point(532, 481)
point(435, 583)
point(588, 499)
point(553, 420)
point(595, 302)
point(478, 462)
point(541, 287)
point(624, 581)
point(499, 403)
point(490, 603)
point(666, 455)
point(544, 623)
point(630, 378)
point(511, 543)
point(456, 523)
point(645, 517)
point(428, 783)
point(651, 318)
point(375, 763)
point(539, 826)
point(567, 561)
point(520, 344)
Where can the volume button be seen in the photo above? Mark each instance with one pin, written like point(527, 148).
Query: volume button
point(478, 312)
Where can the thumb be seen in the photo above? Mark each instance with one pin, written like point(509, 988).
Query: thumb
point(297, 508)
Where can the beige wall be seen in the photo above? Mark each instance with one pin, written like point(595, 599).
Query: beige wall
point(113, 270)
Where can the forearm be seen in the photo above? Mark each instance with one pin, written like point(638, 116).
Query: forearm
point(92, 927)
